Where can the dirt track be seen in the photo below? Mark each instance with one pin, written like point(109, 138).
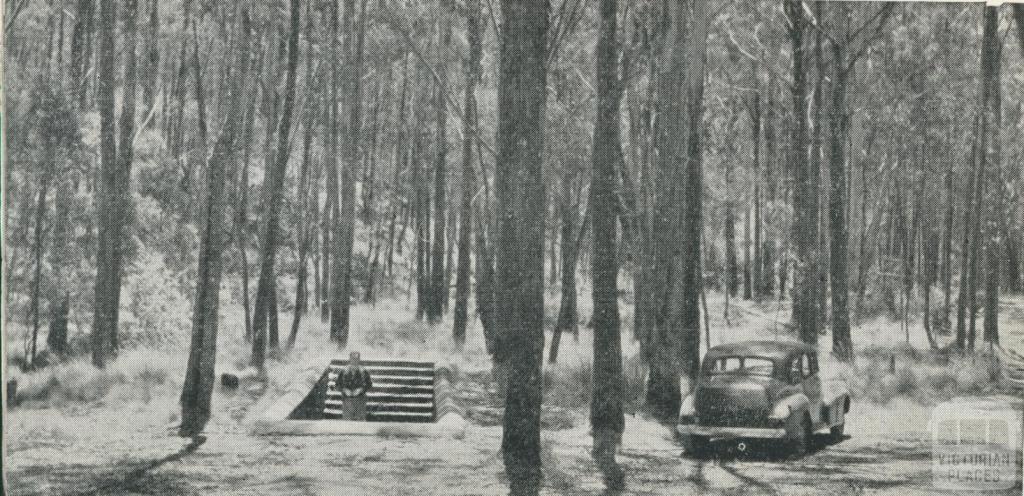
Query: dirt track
point(878, 457)
point(109, 449)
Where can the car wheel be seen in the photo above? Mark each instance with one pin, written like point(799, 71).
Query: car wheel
point(837, 432)
point(697, 446)
point(802, 441)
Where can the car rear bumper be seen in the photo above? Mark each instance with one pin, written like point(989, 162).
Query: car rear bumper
point(730, 432)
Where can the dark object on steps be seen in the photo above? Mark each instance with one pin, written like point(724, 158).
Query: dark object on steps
point(229, 381)
point(12, 393)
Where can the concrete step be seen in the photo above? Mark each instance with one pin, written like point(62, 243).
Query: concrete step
point(398, 389)
point(393, 371)
point(389, 398)
point(386, 363)
point(375, 407)
point(403, 391)
point(394, 380)
point(333, 413)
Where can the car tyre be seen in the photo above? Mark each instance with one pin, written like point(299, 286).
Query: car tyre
point(697, 446)
point(836, 431)
point(804, 438)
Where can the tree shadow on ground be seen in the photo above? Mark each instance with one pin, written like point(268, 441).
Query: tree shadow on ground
point(764, 451)
point(132, 482)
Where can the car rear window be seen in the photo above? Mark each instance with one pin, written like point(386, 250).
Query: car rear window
point(741, 365)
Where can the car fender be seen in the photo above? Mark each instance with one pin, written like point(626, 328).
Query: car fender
point(837, 399)
point(797, 404)
point(833, 391)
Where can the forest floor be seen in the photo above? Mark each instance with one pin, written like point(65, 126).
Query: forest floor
point(124, 444)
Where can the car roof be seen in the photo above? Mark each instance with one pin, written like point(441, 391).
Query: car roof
point(768, 349)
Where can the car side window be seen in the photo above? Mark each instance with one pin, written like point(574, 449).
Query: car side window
point(795, 371)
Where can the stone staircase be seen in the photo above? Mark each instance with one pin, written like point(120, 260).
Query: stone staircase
point(403, 391)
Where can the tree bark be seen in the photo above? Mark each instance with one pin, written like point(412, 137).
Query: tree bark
point(438, 289)
point(755, 120)
point(672, 343)
point(991, 157)
point(115, 194)
point(199, 376)
point(520, 247)
point(567, 312)
point(732, 266)
point(331, 211)
point(606, 405)
point(1018, 17)
point(37, 244)
point(264, 315)
point(473, 35)
point(152, 74)
point(842, 342)
point(242, 216)
point(805, 194)
point(691, 280)
point(63, 257)
point(345, 225)
point(303, 193)
point(947, 252)
point(80, 54)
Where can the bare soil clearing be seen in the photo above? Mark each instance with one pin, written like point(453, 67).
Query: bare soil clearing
point(118, 447)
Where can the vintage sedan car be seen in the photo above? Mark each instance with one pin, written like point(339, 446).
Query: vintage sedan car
point(760, 390)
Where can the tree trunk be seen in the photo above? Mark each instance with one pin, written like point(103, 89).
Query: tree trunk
point(757, 281)
point(303, 239)
point(115, 192)
point(976, 238)
point(769, 244)
point(398, 198)
point(732, 269)
point(672, 345)
point(484, 288)
point(748, 290)
point(1018, 17)
point(264, 312)
point(947, 252)
point(80, 53)
point(242, 217)
point(552, 246)
point(152, 74)
point(842, 342)
point(473, 35)
point(438, 289)
point(345, 225)
point(331, 211)
point(371, 221)
point(567, 314)
point(965, 249)
point(606, 404)
point(199, 376)
point(63, 257)
point(991, 155)
point(821, 249)
point(805, 194)
point(422, 251)
point(691, 280)
point(38, 239)
point(520, 248)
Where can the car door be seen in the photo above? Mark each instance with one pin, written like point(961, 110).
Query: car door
point(794, 378)
point(812, 387)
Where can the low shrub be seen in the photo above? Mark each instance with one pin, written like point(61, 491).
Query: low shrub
point(927, 377)
point(134, 375)
point(567, 384)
